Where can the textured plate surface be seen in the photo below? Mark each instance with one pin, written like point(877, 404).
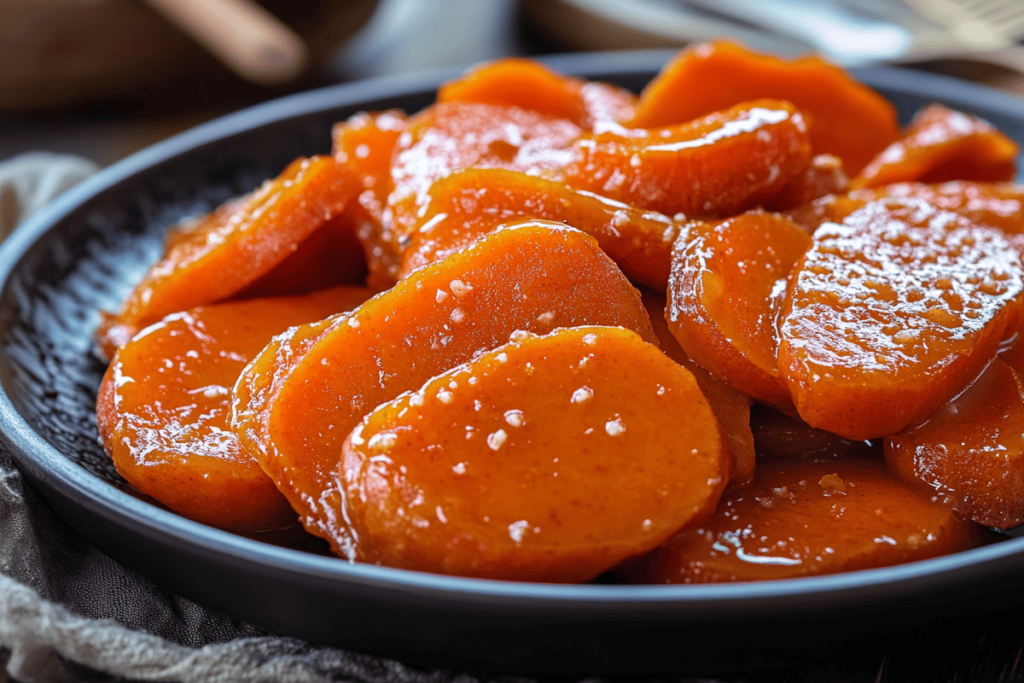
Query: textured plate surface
point(85, 251)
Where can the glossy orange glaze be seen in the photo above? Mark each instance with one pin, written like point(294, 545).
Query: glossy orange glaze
point(731, 407)
point(807, 518)
point(519, 82)
point(331, 256)
point(453, 136)
point(365, 143)
point(220, 256)
point(524, 83)
point(845, 118)
point(823, 176)
point(1000, 205)
point(471, 203)
point(942, 144)
point(725, 294)
point(894, 312)
point(719, 165)
point(833, 208)
point(549, 459)
point(970, 452)
point(163, 408)
point(778, 436)
point(536, 276)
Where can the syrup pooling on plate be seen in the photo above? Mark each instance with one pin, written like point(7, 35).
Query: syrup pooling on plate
point(804, 519)
point(523, 203)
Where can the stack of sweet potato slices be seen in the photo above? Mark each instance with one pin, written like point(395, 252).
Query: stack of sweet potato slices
point(429, 347)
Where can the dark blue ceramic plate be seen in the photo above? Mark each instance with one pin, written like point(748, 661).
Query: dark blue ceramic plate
point(85, 251)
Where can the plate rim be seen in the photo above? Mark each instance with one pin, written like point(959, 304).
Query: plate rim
point(44, 462)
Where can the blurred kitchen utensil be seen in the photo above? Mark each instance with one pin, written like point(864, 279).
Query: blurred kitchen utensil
point(991, 23)
point(246, 38)
point(849, 33)
point(852, 38)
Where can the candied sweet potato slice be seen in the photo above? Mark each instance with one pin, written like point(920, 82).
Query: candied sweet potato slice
point(778, 436)
point(163, 408)
point(720, 165)
point(235, 247)
point(1000, 205)
point(731, 407)
point(806, 518)
point(894, 312)
point(845, 118)
point(527, 84)
point(473, 202)
point(365, 142)
point(942, 144)
point(550, 459)
point(452, 136)
point(823, 176)
point(331, 256)
point(971, 450)
point(519, 82)
point(536, 276)
point(725, 294)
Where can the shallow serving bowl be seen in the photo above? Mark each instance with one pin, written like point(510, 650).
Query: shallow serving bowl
point(85, 251)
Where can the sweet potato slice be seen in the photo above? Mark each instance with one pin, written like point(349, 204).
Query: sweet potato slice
point(331, 256)
point(725, 294)
point(550, 459)
point(1000, 205)
point(235, 246)
point(719, 165)
point(519, 82)
point(778, 436)
point(970, 451)
point(807, 518)
point(823, 176)
point(942, 144)
point(473, 202)
point(365, 142)
point(845, 118)
point(894, 312)
point(536, 276)
point(163, 408)
point(524, 83)
point(452, 136)
point(731, 407)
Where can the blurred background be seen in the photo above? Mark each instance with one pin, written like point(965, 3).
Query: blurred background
point(103, 78)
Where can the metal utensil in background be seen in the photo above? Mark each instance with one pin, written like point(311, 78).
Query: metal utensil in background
point(849, 35)
point(991, 24)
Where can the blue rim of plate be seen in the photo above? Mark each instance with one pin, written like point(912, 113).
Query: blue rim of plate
point(44, 462)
